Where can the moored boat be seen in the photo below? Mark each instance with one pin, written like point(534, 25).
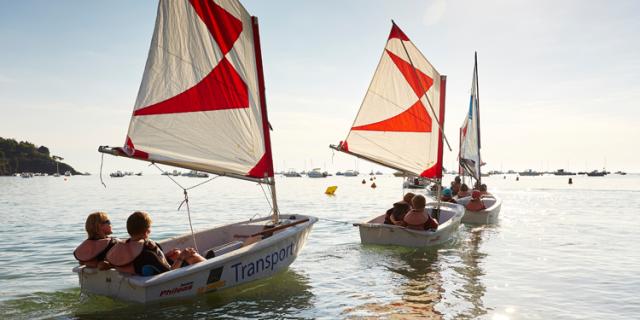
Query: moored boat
point(201, 106)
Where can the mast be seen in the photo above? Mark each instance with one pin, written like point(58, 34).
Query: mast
point(265, 120)
point(475, 68)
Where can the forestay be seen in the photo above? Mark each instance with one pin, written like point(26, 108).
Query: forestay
point(397, 125)
point(470, 133)
point(200, 105)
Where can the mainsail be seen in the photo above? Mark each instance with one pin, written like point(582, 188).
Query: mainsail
point(470, 133)
point(397, 125)
point(201, 102)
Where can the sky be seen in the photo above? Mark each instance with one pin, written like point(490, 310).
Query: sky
point(559, 80)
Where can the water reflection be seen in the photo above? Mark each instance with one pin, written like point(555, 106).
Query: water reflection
point(466, 300)
point(286, 295)
point(417, 285)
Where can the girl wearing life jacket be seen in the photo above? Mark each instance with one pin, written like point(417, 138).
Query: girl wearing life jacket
point(93, 251)
point(417, 218)
point(143, 256)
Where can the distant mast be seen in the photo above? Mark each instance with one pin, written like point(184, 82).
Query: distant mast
point(470, 160)
point(399, 124)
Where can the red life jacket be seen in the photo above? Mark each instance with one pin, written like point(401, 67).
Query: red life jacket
point(475, 205)
point(122, 255)
point(88, 250)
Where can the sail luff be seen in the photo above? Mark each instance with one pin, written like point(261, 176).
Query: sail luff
point(265, 119)
point(478, 116)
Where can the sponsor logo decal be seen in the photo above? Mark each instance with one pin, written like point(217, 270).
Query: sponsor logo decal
point(268, 262)
point(182, 288)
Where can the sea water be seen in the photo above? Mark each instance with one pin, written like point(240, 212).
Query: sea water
point(559, 251)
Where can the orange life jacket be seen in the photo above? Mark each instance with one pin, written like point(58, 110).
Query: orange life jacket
point(475, 205)
point(122, 255)
point(88, 250)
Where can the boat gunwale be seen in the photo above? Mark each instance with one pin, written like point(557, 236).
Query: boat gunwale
point(458, 211)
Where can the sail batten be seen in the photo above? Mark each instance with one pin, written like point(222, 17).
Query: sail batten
point(201, 101)
point(397, 124)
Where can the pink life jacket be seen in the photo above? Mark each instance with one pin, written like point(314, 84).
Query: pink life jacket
point(122, 255)
point(88, 250)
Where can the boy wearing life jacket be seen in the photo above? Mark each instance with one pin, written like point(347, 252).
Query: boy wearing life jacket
point(143, 256)
point(93, 251)
point(396, 214)
point(418, 218)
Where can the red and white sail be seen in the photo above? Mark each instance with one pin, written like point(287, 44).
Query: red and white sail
point(200, 105)
point(397, 124)
point(470, 133)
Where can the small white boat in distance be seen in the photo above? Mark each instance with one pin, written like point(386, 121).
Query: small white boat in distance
point(486, 216)
point(375, 231)
point(236, 253)
point(351, 173)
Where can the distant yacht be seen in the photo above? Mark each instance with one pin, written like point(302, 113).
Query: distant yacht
point(561, 172)
point(351, 173)
point(530, 173)
point(316, 173)
point(117, 174)
point(292, 174)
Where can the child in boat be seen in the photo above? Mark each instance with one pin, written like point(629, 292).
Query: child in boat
point(143, 256)
point(455, 185)
point(447, 196)
point(396, 214)
point(93, 251)
point(483, 191)
point(418, 218)
point(464, 191)
point(475, 204)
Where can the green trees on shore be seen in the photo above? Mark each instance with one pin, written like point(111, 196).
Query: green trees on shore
point(24, 156)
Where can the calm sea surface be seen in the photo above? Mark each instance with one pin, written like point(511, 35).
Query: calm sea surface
point(559, 251)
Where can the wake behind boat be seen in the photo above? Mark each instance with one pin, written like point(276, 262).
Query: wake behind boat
point(400, 126)
point(201, 106)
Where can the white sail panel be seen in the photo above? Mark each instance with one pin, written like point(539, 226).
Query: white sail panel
point(199, 102)
point(397, 122)
point(469, 135)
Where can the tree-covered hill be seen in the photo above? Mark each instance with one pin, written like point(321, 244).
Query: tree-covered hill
point(24, 156)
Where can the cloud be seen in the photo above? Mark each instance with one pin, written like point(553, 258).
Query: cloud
point(434, 13)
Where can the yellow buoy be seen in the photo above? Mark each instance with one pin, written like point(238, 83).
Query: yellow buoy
point(331, 190)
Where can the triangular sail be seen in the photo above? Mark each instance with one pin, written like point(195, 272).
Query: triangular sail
point(470, 133)
point(397, 124)
point(200, 105)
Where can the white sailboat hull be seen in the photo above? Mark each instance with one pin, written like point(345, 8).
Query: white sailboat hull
point(376, 232)
point(486, 216)
point(241, 265)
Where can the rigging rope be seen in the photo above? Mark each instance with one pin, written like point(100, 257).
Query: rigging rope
point(101, 162)
point(186, 200)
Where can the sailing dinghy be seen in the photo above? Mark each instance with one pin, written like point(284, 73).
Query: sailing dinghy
point(400, 126)
point(470, 161)
point(201, 106)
